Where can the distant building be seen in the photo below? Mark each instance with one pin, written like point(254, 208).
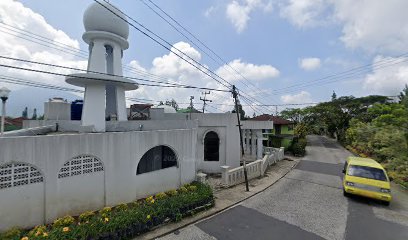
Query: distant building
point(140, 111)
point(282, 133)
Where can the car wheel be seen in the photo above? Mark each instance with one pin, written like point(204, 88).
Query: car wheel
point(346, 194)
point(385, 203)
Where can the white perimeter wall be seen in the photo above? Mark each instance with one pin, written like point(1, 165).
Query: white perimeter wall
point(120, 153)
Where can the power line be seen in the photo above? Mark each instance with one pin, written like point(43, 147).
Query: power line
point(112, 75)
point(223, 62)
point(50, 43)
point(166, 42)
point(105, 80)
point(346, 74)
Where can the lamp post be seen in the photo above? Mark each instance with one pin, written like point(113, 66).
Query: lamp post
point(4, 93)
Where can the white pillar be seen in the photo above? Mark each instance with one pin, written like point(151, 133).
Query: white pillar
point(117, 60)
point(3, 115)
point(224, 173)
point(253, 143)
point(121, 104)
point(93, 112)
point(97, 58)
point(259, 138)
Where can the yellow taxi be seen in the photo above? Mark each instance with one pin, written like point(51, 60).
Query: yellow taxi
point(367, 178)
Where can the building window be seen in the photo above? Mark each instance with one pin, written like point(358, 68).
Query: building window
point(83, 164)
point(19, 174)
point(157, 158)
point(290, 127)
point(211, 147)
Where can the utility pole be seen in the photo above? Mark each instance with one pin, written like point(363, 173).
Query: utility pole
point(191, 105)
point(205, 100)
point(235, 96)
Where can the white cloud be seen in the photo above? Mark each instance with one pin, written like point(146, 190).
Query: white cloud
point(209, 11)
point(248, 70)
point(239, 13)
point(175, 70)
point(304, 13)
point(390, 80)
point(309, 64)
point(302, 97)
point(377, 26)
point(15, 14)
point(373, 25)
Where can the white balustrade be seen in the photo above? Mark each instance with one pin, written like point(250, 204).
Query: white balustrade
point(231, 177)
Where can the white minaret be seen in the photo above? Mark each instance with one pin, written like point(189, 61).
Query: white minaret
point(106, 34)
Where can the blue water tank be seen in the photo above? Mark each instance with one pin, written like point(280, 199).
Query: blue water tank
point(76, 109)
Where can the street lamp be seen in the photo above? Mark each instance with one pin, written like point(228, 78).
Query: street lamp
point(4, 93)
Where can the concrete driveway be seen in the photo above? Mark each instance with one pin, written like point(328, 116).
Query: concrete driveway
point(308, 203)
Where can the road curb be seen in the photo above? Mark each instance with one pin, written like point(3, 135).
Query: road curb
point(227, 207)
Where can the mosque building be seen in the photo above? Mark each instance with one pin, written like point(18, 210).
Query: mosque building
point(58, 166)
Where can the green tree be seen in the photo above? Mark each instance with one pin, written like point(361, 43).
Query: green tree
point(403, 96)
point(34, 117)
point(334, 96)
point(25, 113)
point(295, 115)
point(172, 103)
point(240, 110)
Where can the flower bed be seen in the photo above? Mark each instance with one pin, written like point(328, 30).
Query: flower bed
point(124, 221)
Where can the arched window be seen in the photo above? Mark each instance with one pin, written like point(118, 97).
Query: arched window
point(18, 174)
point(157, 158)
point(83, 164)
point(211, 147)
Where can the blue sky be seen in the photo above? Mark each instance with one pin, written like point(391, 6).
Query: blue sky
point(265, 39)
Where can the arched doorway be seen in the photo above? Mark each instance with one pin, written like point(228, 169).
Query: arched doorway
point(211, 147)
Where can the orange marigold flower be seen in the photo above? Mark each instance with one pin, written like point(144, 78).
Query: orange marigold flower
point(65, 229)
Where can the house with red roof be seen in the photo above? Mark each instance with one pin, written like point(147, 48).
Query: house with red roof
point(282, 133)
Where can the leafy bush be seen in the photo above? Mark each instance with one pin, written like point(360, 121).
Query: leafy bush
point(298, 147)
point(125, 220)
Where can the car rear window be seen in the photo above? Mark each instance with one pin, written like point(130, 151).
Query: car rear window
point(366, 172)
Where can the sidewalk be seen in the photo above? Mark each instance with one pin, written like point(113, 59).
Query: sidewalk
point(228, 197)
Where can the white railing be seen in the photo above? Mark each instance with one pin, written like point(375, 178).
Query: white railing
point(231, 177)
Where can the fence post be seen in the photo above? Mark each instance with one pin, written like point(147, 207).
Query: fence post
point(224, 171)
point(282, 149)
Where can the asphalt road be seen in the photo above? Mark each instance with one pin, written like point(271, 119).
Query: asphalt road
point(308, 203)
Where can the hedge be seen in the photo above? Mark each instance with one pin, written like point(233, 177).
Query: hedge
point(124, 221)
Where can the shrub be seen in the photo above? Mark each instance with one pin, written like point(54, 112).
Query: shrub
point(86, 216)
point(161, 195)
point(124, 221)
point(298, 146)
point(13, 233)
point(63, 222)
point(172, 192)
point(122, 207)
point(192, 188)
point(183, 189)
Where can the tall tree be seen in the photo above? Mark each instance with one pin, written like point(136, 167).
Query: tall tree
point(240, 110)
point(172, 103)
point(403, 96)
point(334, 96)
point(34, 117)
point(25, 113)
